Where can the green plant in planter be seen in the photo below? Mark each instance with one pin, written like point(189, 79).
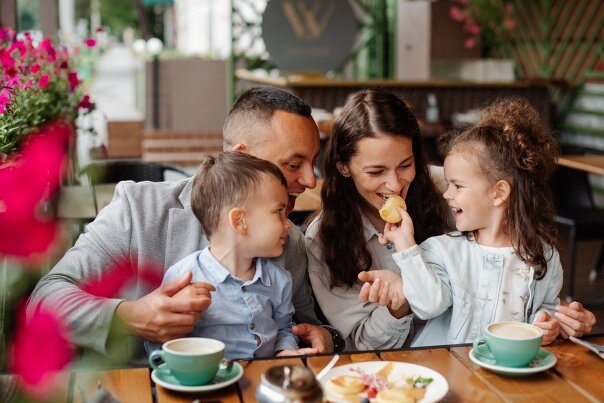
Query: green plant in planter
point(38, 85)
point(487, 23)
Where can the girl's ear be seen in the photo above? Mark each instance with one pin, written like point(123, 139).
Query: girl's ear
point(502, 192)
point(343, 169)
point(237, 220)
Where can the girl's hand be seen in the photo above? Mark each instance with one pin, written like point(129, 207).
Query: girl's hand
point(574, 319)
point(300, 351)
point(549, 325)
point(384, 287)
point(400, 234)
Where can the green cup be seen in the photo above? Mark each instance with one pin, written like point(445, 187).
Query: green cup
point(193, 361)
point(509, 344)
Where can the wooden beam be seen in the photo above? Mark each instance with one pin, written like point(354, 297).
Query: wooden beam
point(49, 18)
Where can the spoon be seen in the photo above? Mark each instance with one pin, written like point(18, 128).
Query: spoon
point(328, 367)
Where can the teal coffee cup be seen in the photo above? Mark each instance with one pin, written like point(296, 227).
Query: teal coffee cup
point(193, 361)
point(509, 344)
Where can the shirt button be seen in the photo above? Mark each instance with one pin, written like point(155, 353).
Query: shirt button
point(244, 288)
point(252, 326)
point(389, 246)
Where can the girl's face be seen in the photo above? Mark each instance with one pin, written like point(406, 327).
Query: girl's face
point(468, 193)
point(383, 166)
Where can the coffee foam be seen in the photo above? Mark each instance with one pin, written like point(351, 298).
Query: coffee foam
point(517, 331)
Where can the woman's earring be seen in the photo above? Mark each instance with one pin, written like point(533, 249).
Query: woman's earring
point(346, 174)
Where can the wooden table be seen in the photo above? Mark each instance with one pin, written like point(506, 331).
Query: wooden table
point(576, 377)
point(592, 163)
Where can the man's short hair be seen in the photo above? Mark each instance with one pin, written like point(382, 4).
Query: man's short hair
point(224, 181)
point(254, 108)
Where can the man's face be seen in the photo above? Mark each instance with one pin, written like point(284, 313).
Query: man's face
point(292, 143)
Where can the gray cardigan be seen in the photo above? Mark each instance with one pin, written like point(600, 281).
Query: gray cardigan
point(148, 222)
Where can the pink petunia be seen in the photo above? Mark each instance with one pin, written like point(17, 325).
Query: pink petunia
point(470, 43)
point(4, 100)
point(72, 77)
point(37, 173)
point(40, 349)
point(120, 275)
point(43, 81)
point(90, 42)
point(35, 68)
point(456, 13)
point(86, 104)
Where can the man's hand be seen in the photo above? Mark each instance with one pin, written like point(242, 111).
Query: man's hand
point(317, 337)
point(158, 317)
point(300, 351)
point(574, 319)
point(384, 287)
point(549, 325)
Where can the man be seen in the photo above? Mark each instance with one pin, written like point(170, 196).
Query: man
point(152, 225)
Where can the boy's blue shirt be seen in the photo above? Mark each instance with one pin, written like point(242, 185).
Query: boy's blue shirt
point(252, 318)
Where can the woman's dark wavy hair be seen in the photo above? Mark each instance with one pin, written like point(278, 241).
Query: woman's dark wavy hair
point(518, 148)
point(367, 114)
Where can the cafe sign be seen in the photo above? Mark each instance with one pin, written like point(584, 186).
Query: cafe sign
point(309, 35)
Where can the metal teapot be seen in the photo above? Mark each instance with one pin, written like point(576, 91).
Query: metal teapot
point(289, 384)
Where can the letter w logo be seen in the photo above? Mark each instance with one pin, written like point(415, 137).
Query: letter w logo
point(308, 20)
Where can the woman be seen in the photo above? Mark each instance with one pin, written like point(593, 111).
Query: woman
point(374, 152)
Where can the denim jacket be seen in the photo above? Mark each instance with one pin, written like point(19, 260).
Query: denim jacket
point(455, 283)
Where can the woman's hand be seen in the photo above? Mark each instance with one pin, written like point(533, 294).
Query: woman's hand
point(400, 234)
point(549, 325)
point(574, 319)
point(300, 351)
point(384, 287)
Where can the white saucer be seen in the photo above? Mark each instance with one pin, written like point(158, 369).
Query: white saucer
point(222, 379)
point(542, 362)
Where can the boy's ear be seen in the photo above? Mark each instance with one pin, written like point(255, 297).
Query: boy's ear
point(502, 192)
point(237, 220)
point(241, 148)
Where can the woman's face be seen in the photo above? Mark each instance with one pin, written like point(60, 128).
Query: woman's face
point(383, 166)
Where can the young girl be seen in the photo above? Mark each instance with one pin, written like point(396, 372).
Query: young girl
point(500, 265)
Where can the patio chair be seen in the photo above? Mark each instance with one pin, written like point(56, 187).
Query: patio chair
point(576, 209)
point(113, 171)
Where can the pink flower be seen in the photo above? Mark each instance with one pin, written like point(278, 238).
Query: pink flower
point(37, 174)
point(72, 77)
point(43, 82)
point(474, 28)
point(90, 42)
point(40, 349)
point(470, 43)
point(456, 13)
point(35, 68)
point(118, 276)
point(4, 100)
point(85, 103)
point(510, 24)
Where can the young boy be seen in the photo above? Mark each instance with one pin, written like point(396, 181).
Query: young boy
point(241, 203)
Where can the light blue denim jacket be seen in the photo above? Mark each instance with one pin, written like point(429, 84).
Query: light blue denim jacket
point(455, 283)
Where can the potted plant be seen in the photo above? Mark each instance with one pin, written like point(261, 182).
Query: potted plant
point(487, 24)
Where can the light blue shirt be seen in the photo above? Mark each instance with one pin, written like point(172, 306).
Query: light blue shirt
point(252, 318)
point(457, 285)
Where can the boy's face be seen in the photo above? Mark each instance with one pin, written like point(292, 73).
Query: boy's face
point(266, 218)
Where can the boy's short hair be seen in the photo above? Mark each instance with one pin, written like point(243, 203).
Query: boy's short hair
point(226, 180)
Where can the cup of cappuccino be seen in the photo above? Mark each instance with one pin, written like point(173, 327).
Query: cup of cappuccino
point(510, 344)
point(193, 361)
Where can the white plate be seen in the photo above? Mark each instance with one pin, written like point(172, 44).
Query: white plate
point(222, 379)
point(543, 361)
point(435, 391)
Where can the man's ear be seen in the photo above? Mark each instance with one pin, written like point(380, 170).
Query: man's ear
point(343, 169)
point(237, 220)
point(241, 148)
point(503, 189)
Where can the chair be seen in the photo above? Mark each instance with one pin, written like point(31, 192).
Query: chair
point(576, 209)
point(113, 171)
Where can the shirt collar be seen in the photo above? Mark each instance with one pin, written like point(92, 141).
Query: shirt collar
point(220, 273)
point(369, 230)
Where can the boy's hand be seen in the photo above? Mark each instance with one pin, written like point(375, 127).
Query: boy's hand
point(300, 351)
point(549, 325)
point(384, 287)
point(400, 234)
point(199, 292)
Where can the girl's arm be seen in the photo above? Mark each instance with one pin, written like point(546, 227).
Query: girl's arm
point(546, 299)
